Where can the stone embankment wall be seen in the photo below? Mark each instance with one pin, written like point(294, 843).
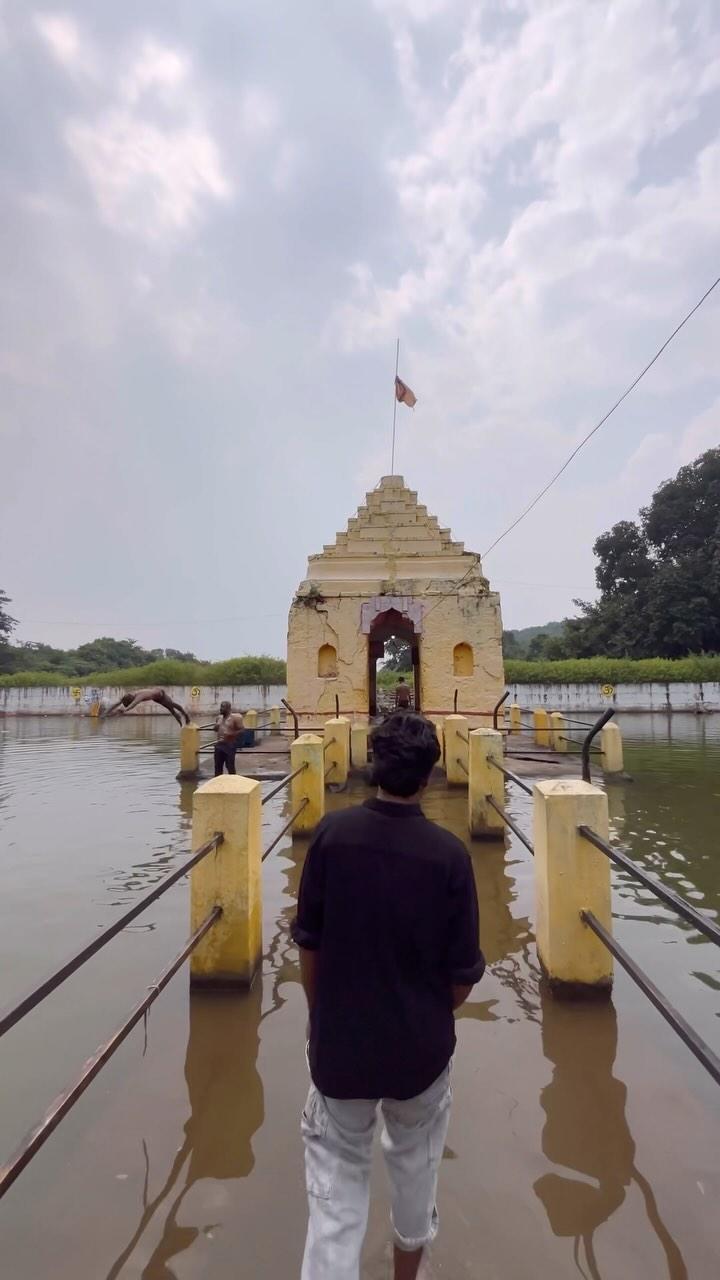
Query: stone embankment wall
point(554, 697)
point(624, 697)
point(65, 701)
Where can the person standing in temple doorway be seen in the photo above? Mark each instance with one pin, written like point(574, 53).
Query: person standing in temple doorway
point(402, 695)
point(388, 932)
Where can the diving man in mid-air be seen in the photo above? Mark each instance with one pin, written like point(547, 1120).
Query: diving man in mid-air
point(131, 700)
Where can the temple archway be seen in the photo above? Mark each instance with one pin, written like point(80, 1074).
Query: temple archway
point(388, 625)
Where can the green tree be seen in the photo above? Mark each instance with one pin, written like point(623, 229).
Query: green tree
point(7, 626)
point(510, 646)
point(546, 647)
point(659, 578)
point(398, 655)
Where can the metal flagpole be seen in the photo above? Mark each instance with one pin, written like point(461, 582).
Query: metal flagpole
point(397, 366)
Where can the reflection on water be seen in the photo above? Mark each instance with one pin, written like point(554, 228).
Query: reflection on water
point(91, 816)
point(587, 1134)
point(226, 1101)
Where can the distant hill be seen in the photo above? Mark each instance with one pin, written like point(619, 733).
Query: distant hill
point(526, 634)
point(517, 643)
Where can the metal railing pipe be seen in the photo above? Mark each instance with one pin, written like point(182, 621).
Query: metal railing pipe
point(511, 777)
point(29, 1002)
point(284, 782)
point(294, 716)
point(599, 724)
point(512, 825)
point(497, 707)
point(668, 896)
point(689, 1037)
point(287, 827)
point(37, 1137)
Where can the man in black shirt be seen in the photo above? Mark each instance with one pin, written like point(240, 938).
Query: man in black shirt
point(387, 927)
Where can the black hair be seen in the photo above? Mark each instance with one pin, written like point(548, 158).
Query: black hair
point(127, 699)
point(405, 749)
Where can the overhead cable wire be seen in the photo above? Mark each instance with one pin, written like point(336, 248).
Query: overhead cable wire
point(583, 442)
point(603, 420)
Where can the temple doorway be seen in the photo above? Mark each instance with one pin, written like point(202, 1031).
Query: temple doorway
point(388, 627)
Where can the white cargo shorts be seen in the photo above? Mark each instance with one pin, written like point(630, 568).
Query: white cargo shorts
point(338, 1137)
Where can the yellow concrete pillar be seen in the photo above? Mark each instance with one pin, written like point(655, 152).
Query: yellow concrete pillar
point(229, 878)
point(438, 721)
point(250, 722)
point(515, 714)
point(571, 876)
point(456, 750)
point(337, 753)
point(274, 717)
point(541, 725)
point(189, 746)
point(557, 731)
point(310, 784)
point(485, 780)
point(611, 745)
point(359, 745)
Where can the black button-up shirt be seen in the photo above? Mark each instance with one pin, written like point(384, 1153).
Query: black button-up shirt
point(388, 899)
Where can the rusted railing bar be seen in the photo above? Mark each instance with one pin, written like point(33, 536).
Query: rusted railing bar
point(512, 825)
point(287, 779)
point(38, 1136)
point(668, 896)
point(595, 751)
point(29, 1002)
point(287, 827)
point(497, 707)
point(511, 777)
point(689, 1037)
point(587, 744)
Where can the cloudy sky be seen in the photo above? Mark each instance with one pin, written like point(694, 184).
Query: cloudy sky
point(218, 217)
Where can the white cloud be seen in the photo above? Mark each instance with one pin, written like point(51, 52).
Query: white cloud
point(148, 180)
point(63, 38)
point(152, 175)
point(259, 112)
point(159, 69)
point(595, 262)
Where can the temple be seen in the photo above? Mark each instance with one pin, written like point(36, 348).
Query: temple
point(395, 572)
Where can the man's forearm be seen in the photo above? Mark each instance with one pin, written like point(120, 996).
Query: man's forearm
point(309, 967)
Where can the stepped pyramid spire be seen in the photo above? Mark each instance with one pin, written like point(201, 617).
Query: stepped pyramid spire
point(394, 531)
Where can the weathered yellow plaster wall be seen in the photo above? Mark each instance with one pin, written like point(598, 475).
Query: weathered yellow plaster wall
point(394, 553)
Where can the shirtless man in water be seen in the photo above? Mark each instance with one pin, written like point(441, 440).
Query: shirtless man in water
point(229, 727)
point(163, 699)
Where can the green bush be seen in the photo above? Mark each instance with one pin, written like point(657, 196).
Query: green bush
point(264, 670)
point(166, 671)
point(700, 667)
point(34, 680)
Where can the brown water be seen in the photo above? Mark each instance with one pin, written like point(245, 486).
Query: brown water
point(584, 1140)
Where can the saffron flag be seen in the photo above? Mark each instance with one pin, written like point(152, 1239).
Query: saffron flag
point(404, 394)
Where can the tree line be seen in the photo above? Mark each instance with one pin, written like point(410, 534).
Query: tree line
point(658, 579)
point(102, 654)
point(123, 663)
